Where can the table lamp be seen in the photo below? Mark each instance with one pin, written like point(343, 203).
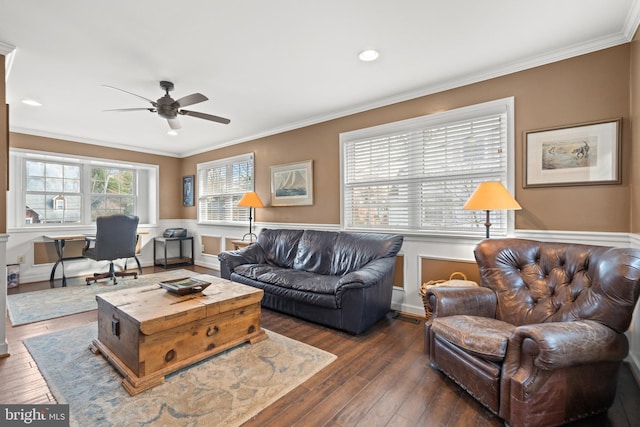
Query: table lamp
point(250, 200)
point(491, 196)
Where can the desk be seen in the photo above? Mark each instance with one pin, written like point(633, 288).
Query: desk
point(59, 242)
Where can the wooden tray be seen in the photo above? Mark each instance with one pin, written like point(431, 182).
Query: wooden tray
point(184, 286)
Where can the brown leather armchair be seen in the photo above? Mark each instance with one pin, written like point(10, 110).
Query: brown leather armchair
point(541, 341)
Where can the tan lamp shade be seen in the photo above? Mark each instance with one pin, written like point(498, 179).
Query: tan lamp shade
point(491, 196)
point(250, 200)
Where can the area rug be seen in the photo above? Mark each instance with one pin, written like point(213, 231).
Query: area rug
point(29, 307)
point(225, 390)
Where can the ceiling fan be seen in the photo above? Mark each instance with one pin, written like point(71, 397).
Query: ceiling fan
point(168, 108)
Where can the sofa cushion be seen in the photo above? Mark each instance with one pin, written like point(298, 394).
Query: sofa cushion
point(483, 336)
point(315, 251)
point(299, 280)
point(286, 300)
point(352, 251)
point(280, 246)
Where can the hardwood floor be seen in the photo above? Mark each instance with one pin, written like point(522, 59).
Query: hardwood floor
point(379, 379)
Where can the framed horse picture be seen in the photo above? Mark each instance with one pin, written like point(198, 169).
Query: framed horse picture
point(584, 154)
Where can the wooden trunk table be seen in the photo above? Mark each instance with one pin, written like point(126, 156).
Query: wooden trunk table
point(147, 332)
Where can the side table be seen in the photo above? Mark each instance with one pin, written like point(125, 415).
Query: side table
point(164, 243)
point(237, 244)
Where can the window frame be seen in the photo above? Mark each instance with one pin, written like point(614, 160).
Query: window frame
point(499, 106)
point(54, 196)
point(146, 191)
point(243, 213)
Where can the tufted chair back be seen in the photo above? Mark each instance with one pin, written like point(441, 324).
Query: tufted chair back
point(537, 282)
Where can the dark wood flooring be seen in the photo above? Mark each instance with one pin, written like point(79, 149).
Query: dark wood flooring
point(379, 379)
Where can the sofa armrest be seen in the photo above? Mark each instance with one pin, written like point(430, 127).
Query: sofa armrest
point(472, 301)
point(369, 275)
point(252, 254)
point(556, 345)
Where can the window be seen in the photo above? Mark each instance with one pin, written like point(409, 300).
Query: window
point(52, 192)
point(50, 189)
point(415, 175)
point(221, 185)
point(112, 192)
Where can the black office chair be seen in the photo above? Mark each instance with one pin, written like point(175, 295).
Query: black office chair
point(116, 238)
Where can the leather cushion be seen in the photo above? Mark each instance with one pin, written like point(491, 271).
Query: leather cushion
point(483, 336)
point(288, 278)
point(280, 246)
point(352, 251)
point(315, 250)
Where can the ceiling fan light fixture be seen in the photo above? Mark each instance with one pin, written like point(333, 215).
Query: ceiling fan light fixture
point(368, 55)
point(172, 132)
point(168, 108)
point(31, 102)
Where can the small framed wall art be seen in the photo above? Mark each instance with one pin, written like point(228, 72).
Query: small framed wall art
point(187, 190)
point(583, 154)
point(292, 184)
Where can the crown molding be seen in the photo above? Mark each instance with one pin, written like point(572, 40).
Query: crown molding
point(633, 20)
point(89, 141)
point(9, 53)
point(625, 36)
point(6, 48)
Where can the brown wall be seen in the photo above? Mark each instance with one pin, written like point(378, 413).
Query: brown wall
point(169, 167)
point(587, 88)
point(4, 146)
point(635, 118)
point(578, 90)
point(317, 143)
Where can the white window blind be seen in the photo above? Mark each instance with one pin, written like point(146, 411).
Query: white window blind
point(416, 175)
point(221, 185)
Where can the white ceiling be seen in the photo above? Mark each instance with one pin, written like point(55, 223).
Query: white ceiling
point(271, 66)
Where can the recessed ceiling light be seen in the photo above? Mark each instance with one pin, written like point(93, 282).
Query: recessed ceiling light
point(172, 132)
point(368, 55)
point(31, 102)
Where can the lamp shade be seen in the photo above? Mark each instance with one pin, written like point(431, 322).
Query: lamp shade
point(250, 200)
point(491, 196)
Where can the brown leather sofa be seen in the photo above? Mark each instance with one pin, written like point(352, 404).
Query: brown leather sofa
point(540, 342)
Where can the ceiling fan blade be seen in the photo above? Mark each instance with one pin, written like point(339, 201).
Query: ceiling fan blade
point(174, 124)
point(130, 93)
point(205, 116)
point(194, 98)
point(153, 110)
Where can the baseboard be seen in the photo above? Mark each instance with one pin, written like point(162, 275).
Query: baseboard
point(408, 317)
point(634, 365)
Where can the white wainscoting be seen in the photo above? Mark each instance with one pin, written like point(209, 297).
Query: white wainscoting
point(4, 346)
point(406, 299)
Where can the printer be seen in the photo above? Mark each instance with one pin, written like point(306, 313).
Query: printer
point(175, 232)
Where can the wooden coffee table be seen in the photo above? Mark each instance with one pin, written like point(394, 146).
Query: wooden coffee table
point(147, 332)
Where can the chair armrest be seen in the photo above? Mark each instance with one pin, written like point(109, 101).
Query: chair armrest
point(472, 301)
point(89, 242)
point(558, 345)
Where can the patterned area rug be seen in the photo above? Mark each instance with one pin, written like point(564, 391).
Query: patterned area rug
point(35, 306)
point(224, 390)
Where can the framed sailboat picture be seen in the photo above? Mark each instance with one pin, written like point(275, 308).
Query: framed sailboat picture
point(292, 184)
